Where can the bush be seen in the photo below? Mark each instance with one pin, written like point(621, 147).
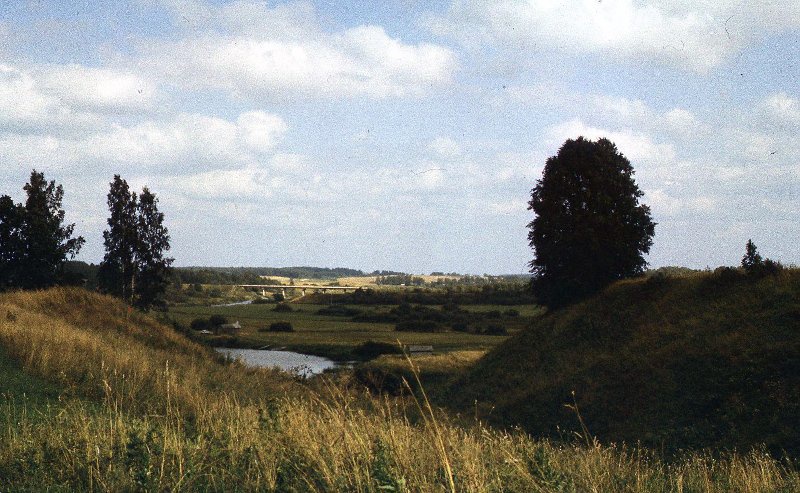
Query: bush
point(199, 324)
point(278, 327)
point(495, 330)
point(262, 301)
point(511, 312)
point(418, 326)
point(339, 311)
point(493, 314)
point(282, 308)
point(217, 320)
point(460, 326)
point(372, 349)
point(278, 297)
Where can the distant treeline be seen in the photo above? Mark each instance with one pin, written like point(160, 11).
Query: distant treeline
point(508, 293)
point(242, 273)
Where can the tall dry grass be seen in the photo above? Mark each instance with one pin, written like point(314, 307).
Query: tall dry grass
point(145, 410)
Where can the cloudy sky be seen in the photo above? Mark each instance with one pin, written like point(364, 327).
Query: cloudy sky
point(404, 135)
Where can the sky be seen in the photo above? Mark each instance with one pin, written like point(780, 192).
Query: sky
point(404, 135)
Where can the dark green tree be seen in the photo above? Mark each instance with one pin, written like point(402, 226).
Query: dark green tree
point(12, 246)
point(48, 242)
point(134, 267)
point(153, 268)
point(589, 228)
point(752, 259)
point(117, 271)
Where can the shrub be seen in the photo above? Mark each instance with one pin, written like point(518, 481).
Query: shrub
point(372, 349)
point(262, 301)
point(511, 312)
point(282, 308)
point(278, 297)
point(278, 327)
point(460, 326)
point(216, 320)
point(418, 326)
point(199, 324)
point(493, 314)
point(495, 330)
point(339, 311)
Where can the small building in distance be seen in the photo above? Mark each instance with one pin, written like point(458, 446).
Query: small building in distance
point(228, 328)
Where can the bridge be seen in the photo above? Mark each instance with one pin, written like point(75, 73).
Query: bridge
point(301, 287)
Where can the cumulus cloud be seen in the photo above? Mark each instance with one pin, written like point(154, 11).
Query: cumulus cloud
point(263, 53)
point(692, 35)
point(783, 108)
point(444, 147)
point(183, 144)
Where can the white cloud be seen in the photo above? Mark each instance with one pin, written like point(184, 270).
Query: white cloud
point(183, 144)
point(444, 147)
point(96, 89)
point(266, 53)
point(783, 108)
point(634, 145)
point(693, 35)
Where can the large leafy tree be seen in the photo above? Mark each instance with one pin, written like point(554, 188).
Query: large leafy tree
point(134, 267)
point(589, 228)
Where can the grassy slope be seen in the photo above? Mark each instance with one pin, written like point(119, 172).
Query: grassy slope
point(139, 408)
point(678, 362)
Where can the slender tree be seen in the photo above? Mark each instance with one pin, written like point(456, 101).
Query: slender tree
point(153, 241)
point(117, 271)
point(48, 242)
point(12, 246)
point(589, 228)
point(752, 259)
point(134, 267)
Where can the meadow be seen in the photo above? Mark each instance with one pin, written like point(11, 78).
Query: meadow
point(130, 405)
point(335, 337)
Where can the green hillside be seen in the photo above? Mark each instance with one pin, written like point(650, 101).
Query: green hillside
point(95, 397)
point(710, 360)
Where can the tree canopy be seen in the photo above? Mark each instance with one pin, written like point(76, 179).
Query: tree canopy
point(34, 241)
point(589, 228)
point(134, 267)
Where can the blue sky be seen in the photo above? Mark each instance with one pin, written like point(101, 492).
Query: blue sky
point(404, 135)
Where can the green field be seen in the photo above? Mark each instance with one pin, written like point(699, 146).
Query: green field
point(335, 336)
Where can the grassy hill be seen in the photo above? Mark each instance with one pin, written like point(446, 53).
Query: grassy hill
point(702, 361)
point(94, 397)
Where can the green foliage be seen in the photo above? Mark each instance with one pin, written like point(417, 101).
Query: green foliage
point(707, 360)
point(278, 327)
point(134, 267)
point(372, 349)
point(283, 308)
point(34, 241)
point(755, 266)
point(339, 311)
point(589, 228)
point(216, 320)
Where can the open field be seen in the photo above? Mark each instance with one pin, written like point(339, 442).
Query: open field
point(335, 337)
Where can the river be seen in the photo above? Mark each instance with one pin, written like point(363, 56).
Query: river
point(304, 365)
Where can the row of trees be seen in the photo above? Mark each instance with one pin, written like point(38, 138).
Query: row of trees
point(35, 243)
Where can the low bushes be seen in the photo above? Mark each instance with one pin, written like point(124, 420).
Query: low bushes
point(372, 349)
point(278, 327)
point(282, 308)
